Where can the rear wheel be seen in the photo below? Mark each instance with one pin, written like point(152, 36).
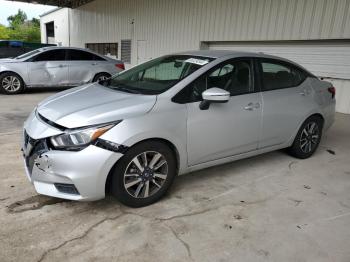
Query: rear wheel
point(11, 83)
point(308, 138)
point(101, 76)
point(144, 174)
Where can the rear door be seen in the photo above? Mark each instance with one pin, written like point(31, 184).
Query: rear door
point(48, 68)
point(287, 99)
point(82, 66)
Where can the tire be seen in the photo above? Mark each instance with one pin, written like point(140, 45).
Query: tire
point(308, 138)
point(132, 174)
point(101, 76)
point(11, 83)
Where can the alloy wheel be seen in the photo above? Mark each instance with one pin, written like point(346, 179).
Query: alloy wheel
point(11, 83)
point(145, 174)
point(309, 137)
point(101, 78)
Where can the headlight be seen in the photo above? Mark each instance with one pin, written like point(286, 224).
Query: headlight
point(79, 138)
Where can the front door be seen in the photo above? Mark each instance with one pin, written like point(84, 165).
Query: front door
point(48, 69)
point(225, 129)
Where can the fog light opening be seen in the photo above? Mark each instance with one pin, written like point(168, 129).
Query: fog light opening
point(67, 188)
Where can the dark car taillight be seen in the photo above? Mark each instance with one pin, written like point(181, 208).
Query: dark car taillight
point(332, 91)
point(121, 66)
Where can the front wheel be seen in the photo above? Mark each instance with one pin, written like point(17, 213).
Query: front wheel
point(144, 174)
point(308, 138)
point(11, 83)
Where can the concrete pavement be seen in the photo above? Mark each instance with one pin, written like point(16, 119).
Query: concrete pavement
point(267, 208)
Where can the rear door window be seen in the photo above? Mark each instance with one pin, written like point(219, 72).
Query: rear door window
point(279, 75)
point(80, 55)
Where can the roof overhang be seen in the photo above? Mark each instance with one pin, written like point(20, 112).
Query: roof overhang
point(60, 3)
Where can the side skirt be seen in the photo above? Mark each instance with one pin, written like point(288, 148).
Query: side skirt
point(234, 158)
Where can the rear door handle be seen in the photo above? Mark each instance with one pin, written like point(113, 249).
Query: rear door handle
point(305, 92)
point(62, 66)
point(252, 106)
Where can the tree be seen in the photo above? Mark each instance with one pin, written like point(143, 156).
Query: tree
point(17, 19)
point(21, 29)
point(4, 33)
point(35, 22)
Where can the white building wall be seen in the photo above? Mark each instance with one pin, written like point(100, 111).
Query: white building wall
point(342, 95)
point(174, 25)
point(61, 25)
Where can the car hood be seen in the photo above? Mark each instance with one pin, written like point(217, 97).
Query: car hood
point(93, 104)
point(9, 60)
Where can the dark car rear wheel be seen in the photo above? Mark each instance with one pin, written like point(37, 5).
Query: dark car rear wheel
point(308, 138)
point(144, 174)
point(11, 83)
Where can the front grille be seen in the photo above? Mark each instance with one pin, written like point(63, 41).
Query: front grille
point(37, 147)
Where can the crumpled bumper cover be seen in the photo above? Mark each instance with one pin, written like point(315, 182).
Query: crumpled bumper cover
point(87, 169)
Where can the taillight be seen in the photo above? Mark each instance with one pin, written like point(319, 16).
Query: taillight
point(121, 66)
point(332, 91)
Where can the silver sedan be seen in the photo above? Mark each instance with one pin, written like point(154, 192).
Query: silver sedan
point(55, 67)
point(133, 133)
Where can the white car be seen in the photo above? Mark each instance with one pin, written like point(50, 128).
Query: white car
point(55, 67)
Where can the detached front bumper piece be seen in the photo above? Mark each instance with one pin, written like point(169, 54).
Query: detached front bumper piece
point(79, 175)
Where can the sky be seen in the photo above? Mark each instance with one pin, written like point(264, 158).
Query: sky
point(8, 8)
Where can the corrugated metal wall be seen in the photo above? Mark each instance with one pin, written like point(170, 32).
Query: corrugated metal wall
point(174, 25)
point(322, 58)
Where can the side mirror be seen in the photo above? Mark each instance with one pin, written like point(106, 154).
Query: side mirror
point(213, 95)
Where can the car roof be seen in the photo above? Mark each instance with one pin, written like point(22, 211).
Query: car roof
point(46, 48)
point(63, 47)
point(233, 54)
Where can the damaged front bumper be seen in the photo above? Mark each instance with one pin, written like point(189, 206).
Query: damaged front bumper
point(79, 175)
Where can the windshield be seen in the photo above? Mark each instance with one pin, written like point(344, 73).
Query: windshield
point(158, 75)
point(28, 54)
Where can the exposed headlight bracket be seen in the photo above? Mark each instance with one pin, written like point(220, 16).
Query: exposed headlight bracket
point(111, 146)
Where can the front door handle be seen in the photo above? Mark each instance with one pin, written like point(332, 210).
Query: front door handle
point(249, 107)
point(62, 66)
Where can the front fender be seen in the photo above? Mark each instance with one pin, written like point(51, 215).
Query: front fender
point(168, 125)
point(20, 69)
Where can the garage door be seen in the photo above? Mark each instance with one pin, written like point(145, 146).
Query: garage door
point(326, 59)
